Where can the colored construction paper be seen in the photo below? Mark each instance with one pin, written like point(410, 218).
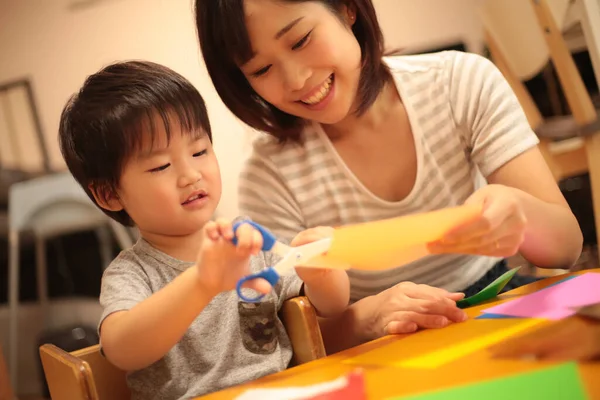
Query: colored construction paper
point(490, 291)
point(501, 316)
point(349, 387)
point(393, 242)
point(494, 316)
point(554, 302)
point(445, 345)
point(559, 382)
point(443, 356)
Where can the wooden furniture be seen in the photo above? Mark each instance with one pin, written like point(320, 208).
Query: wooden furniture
point(386, 382)
point(6, 391)
point(522, 37)
point(86, 375)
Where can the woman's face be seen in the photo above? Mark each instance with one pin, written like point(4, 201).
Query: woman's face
point(306, 61)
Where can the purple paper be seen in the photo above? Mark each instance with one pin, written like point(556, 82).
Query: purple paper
point(554, 302)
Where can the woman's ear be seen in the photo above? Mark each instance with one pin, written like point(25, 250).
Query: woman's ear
point(349, 13)
point(106, 197)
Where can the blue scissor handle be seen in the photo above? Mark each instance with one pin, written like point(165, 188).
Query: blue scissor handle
point(268, 274)
point(269, 239)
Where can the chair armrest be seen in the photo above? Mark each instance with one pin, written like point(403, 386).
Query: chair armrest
point(68, 377)
point(300, 320)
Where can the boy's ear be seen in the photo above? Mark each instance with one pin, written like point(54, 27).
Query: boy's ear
point(106, 197)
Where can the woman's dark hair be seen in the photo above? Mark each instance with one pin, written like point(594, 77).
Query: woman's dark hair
point(104, 124)
point(225, 43)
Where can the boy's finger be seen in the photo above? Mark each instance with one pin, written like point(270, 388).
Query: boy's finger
point(259, 285)
point(225, 228)
point(212, 230)
point(257, 242)
point(244, 236)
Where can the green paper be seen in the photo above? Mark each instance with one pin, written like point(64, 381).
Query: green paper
point(490, 291)
point(555, 383)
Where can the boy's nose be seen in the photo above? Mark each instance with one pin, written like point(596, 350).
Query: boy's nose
point(189, 177)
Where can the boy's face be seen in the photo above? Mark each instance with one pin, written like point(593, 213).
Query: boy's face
point(171, 188)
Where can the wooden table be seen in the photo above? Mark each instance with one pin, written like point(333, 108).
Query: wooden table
point(385, 382)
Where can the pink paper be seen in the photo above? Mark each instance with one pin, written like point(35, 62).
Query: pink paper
point(554, 302)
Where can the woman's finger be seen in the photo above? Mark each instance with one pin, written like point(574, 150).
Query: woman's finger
point(406, 321)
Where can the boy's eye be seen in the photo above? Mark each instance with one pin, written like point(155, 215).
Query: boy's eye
point(302, 41)
point(261, 71)
point(161, 168)
point(200, 153)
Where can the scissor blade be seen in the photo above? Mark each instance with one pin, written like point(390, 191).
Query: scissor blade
point(296, 256)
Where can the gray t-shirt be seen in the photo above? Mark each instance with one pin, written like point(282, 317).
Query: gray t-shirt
point(229, 343)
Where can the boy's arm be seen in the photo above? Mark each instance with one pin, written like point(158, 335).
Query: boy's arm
point(327, 289)
point(136, 338)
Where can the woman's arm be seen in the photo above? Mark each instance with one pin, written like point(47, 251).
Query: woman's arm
point(501, 143)
point(403, 308)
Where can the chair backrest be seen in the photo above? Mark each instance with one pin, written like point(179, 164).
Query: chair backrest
point(86, 375)
point(514, 27)
point(29, 199)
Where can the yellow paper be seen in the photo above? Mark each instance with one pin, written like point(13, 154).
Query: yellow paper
point(440, 357)
point(391, 242)
point(436, 347)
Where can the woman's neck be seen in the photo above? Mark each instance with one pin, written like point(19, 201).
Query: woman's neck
point(184, 247)
point(372, 119)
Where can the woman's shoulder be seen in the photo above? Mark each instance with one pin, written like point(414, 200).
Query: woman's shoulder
point(447, 60)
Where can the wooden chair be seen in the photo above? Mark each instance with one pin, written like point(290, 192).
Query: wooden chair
point(86, 375)
point(522, 37)
point(6, 391)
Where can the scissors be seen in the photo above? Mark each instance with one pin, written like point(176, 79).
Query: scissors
point(291, 257)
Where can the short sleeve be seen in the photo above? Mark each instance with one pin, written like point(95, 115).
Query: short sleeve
point(488, 113)
point(124, 284)
point(265, 197)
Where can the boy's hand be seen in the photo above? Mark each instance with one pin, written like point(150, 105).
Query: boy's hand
point(221, 264)
point(310, 274)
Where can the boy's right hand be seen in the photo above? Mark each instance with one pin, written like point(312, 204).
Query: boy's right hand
point(221, 264)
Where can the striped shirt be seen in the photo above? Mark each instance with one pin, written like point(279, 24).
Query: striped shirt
point(466, 123)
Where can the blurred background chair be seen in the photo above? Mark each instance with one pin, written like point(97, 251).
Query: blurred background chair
point(523, 36)
point(46, 207)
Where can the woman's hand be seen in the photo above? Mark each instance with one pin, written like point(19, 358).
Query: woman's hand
point(498, 232)
point(570, 339)
point(407, 307)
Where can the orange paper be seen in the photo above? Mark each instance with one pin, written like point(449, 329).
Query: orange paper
point(394, 242)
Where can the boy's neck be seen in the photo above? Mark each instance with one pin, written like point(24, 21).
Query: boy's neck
point(371, 120)
point(184, 248)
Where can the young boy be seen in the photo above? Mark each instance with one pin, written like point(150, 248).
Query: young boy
point(138, 140)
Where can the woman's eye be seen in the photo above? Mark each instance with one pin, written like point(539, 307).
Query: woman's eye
point(301, 42)
point(161, 168)
point(261, 71)
point(200, 153)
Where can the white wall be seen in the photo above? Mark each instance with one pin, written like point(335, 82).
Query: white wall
point(58, 48)
point(417, 24)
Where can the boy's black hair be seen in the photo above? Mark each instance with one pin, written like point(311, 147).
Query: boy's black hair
point(225, 43)
point(103, 124)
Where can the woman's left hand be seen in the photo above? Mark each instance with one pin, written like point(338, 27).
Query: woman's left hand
point(499, 231)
